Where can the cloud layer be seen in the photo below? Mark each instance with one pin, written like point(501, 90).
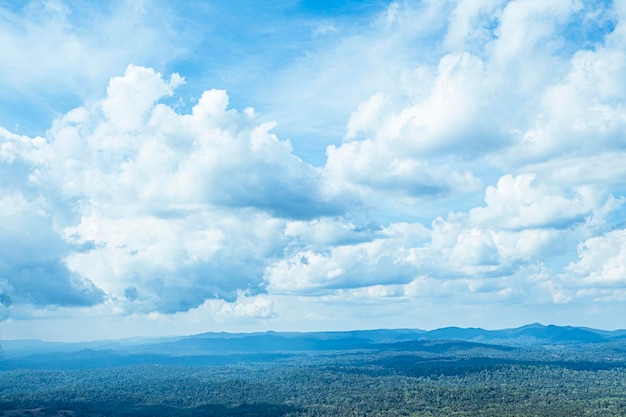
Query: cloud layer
point(482, 166)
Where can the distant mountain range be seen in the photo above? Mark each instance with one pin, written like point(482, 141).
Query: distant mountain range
point(530, 334)
point(221, 348)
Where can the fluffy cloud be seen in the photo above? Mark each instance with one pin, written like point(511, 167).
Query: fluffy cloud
point(505, 251)
point(522, 202)
point(513, 95)
point(32, 270)
point(445, 118)
point(359, 168)
point(167, 209)
point(502, 91)
point(583, 113)
point(523, 222)
point(127, 147)
point(174, 264)
point(383, 260)
point(397, 150)
point(602, 261)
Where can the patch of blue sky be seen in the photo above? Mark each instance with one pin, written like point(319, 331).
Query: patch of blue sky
point(242, 47)
point(249, 50)
point(589, 27)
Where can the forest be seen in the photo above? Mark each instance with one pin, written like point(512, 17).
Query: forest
point(421, 377)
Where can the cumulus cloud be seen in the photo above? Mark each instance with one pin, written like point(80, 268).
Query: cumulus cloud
point(32, 270)
point(522, 222)
point(382, 260)
point(502, 90)
point(259, 307)
point(602, 261)
point(330, 231)
point(445, 118)
point(129, 147)
point(522, 202)
point(514, 95)
point(130, 97)
point(391, 148)
point(169, 265)
point(583, 113)
point(167, 209)
point(363, 167)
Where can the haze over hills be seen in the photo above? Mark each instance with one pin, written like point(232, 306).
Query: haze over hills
point(223, 348)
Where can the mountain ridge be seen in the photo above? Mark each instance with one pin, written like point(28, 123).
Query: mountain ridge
point(448, 343)
point(269, 341)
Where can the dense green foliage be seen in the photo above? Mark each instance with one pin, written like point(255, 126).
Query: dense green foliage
point(534, 371)
point(355, 384)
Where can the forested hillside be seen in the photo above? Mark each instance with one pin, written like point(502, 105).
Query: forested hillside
point(330, 374)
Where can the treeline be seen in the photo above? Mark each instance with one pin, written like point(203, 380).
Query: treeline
point(402, 388)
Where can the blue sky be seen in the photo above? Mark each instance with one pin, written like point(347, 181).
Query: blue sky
point(304, 165)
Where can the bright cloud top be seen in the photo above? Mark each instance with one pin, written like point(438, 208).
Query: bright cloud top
point(483, 167)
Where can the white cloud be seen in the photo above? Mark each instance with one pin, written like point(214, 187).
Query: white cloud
point(32, 270)
point(212, 156)
point(361, 168)
point(584, 114)
point(520, 203)
point(524, 223)
point(328, 81)
point(468, 24)
point(326, 232)
point(447, 117)
point(383, 260)
point(515, 93)
point(164, 209)
point(601, 170)
point(602, 261)
point(171, 264)
point(130, 97)
point(260, 306)
point(528, 32)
